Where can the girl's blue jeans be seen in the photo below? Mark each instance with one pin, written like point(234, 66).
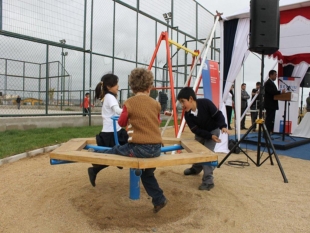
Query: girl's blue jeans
point(148, 178)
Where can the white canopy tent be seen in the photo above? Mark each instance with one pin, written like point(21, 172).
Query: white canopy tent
point(294, 45)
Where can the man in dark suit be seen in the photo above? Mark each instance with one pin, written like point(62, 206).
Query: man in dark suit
point(270, 104)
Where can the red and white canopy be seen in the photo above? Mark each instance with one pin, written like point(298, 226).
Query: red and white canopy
point(294, 45)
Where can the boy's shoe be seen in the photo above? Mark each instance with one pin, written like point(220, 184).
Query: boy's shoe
point(189, 171)
point(159, 207)
point(207, 187)
point(92, 176)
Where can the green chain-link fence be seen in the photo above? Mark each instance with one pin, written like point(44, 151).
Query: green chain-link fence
point(53, 52)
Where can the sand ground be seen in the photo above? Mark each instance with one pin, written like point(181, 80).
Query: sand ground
point(39, 197)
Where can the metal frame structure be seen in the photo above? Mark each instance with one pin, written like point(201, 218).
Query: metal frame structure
point(86, 51)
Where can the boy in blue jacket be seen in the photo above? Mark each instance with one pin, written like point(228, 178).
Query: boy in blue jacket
point(205, 121)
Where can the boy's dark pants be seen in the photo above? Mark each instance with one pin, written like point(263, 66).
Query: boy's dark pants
point(148, 178)
point(207, 177)
point(254, 116)
point(269, 121)
point(85, 111)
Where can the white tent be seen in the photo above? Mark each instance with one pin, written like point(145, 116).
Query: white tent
point(294, 45)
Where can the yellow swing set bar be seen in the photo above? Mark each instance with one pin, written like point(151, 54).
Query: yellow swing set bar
point(182, 47)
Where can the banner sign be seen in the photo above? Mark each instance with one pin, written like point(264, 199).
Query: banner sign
point(211, 90)
point(291, 83)
point(211, 81)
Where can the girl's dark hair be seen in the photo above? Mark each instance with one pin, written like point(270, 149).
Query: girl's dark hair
point(107, 80)
point(186, 93)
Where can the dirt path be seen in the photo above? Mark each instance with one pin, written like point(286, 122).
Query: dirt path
point(38, 197)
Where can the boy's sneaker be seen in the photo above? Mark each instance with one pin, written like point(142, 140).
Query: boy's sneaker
point(159, 207)
point(207, 187)
point(189, 171)
point(92, 176)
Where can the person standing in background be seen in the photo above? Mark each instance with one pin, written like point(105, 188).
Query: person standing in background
point(244, 103)
point(163, 99)
point(255, 105)
point(270, 104)
point(18, 100)
point(229, 103)
point(86, 105)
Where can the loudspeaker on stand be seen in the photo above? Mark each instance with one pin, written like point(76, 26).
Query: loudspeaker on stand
point(264, 26)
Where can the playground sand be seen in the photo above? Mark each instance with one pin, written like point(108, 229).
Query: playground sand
point(38, 197)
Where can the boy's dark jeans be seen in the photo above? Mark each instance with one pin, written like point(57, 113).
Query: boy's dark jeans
point(148, 178)
point(85, 111)
point(207, 177)
point(254, 116)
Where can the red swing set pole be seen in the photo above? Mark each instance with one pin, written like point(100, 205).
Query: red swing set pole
point(164, 36)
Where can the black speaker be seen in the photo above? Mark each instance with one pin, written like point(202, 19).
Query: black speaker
point(264, 26)
point(306, 80)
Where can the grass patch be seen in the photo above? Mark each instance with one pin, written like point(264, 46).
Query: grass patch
point(18, 141)
point(14, 142)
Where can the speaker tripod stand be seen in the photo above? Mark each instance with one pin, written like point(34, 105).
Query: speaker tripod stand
point(262, 131)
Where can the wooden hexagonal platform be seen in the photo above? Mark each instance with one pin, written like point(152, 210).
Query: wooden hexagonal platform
point(194, 152)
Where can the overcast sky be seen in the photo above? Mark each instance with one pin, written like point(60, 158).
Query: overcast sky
point(228, 7)
point(250, 71)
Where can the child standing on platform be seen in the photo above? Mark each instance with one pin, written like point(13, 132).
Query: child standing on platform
point(141, 113)
point(106, 90)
